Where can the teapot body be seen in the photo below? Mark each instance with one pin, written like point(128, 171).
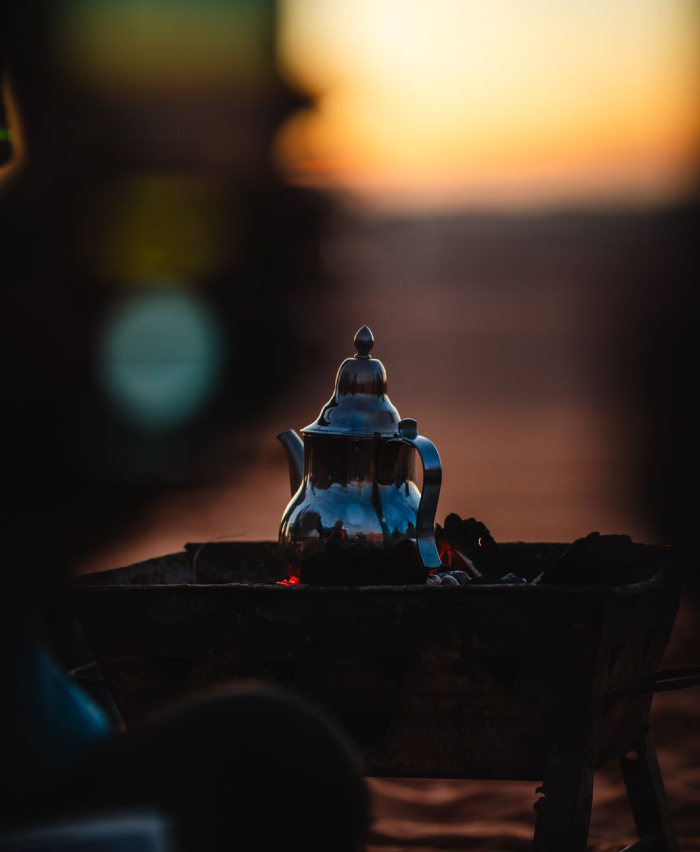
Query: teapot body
point(358, 500)
point(356, 516)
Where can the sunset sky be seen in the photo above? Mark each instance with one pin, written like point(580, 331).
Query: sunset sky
point(433, 103)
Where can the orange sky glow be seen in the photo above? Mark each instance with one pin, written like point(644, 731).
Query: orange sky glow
point(454, 103)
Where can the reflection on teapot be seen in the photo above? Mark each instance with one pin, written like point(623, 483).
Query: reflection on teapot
point(356, 514)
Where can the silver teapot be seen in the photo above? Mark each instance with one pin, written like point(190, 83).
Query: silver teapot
point(354, 497)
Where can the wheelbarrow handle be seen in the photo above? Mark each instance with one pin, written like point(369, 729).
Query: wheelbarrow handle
point(664, 681)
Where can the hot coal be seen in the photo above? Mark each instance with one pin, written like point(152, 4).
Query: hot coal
point(469, 546)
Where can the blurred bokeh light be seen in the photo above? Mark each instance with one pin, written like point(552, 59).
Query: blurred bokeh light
point(158, 226)
point(117, 46)
point(453, 103)
point(161, 358)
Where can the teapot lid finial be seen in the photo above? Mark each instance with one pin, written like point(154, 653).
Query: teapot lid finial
point(364, 341)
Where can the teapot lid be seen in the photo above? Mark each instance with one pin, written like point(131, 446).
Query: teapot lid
point(359, 406)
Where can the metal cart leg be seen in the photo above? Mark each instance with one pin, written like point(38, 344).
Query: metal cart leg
point(646, 794)
point(564, 812)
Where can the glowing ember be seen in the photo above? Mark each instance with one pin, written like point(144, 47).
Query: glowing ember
point(293, 578)
point(454, 560)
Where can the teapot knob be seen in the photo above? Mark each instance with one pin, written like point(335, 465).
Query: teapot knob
point(408, 428)
point(364, 341)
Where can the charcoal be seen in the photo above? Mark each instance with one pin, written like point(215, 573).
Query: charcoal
point(461, 577)
point(492, 580)
point(512, 578)
point(469, 544)
point(601, 560)
point(470, 555)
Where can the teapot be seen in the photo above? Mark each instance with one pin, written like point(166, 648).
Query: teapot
point(355, 504)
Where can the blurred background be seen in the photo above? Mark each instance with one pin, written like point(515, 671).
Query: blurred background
point(201, 201)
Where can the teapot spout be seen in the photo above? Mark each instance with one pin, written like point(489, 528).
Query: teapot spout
point(294, 448)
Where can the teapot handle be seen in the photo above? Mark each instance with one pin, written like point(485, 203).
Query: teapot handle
point(432, 480)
